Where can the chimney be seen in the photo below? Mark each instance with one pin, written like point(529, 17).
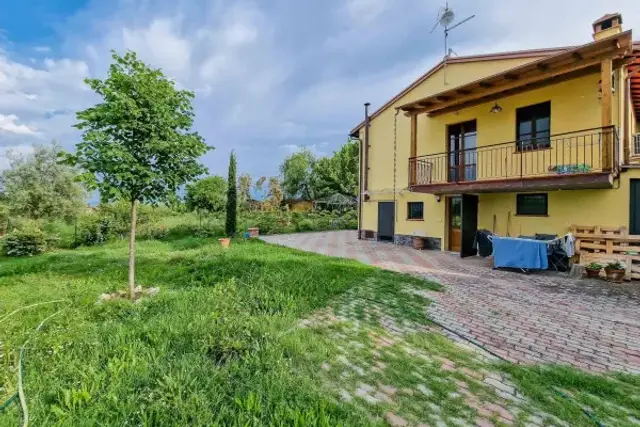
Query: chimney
point(608, 25)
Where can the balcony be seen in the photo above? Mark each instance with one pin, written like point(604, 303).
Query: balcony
point(573, 160)
point(636, 145)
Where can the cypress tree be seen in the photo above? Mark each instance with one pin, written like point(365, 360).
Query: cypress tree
point(232, 198)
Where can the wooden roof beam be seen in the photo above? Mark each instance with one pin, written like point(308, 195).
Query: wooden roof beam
point(518, 83)
point(511, 76)
point(443, 98)
point(578, 56)
point(590, 55)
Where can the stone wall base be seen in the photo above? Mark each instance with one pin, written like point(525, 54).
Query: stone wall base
point(430, 243)
point(368, 235)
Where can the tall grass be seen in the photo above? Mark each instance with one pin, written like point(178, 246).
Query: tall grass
point(217, 346)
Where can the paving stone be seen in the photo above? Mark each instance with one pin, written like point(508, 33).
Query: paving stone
point(541, 317)
point(345, 396)
point(481, 422)
point(366, 396)
point(366, 388)
point(326, 366)
point(395, 420)
point(406, 391)
point(383, 397)
point(425, 390)
point(387, 389)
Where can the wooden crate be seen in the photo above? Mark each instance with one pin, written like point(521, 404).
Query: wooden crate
point(608, 243)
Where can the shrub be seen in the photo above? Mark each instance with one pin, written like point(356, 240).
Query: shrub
point(267, 223)
point(304, 225)
point(26, 241)
point(93, 229)
point(351, 219)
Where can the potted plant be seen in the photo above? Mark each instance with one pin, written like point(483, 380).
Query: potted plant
point(593, 270)
point(225, 242)
point(615, 271)
point(418, 243)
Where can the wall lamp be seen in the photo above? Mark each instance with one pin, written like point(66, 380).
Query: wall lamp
point(496, 108)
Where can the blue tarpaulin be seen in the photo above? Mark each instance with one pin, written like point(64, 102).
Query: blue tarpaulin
point(519, 253)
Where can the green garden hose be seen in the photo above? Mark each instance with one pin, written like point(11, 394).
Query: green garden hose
point(19, 395)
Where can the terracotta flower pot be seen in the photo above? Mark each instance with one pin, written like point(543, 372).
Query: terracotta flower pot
point(225, 242)
point(593, 273)
point(614, 275)
point(418, 243)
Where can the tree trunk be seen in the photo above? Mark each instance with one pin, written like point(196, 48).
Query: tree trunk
point(132, 252)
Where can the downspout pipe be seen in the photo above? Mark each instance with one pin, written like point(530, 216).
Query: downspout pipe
point(367, 124)
point(360, 151)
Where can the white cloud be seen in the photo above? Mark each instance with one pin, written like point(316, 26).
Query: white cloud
point(161, 43)
point(271, 77)
point(239, 34)
point(10, 124)
point(289, 149)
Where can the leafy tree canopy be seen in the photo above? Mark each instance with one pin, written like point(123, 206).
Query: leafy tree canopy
point(207, 195)
point(137, 143)
point(308, 177)
point(338, 174)
point(37, 186)
point(298, 175)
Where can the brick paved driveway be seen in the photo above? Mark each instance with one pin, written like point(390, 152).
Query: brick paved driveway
point(533, 318)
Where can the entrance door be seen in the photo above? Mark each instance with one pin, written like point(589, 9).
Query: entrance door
point(455, 223)
point(462, 139)
point(386, 220)
point(634, 202)
point(469, 224)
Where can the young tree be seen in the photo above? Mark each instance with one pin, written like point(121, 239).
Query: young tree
point(258, 188)
point(38, 186)
point(244, 190)
point(232, 200)
point(137, 144)
point(298, 175)
point(275, 195)
point(207, 195)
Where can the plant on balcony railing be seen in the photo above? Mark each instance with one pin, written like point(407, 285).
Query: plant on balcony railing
point(568, 169)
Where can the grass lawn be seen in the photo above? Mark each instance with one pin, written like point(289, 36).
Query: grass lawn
point(260, 335)
point(217, 345)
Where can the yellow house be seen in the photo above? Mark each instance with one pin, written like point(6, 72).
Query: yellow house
point(517, 143)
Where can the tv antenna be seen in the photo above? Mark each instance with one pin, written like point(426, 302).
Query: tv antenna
point(446, 16)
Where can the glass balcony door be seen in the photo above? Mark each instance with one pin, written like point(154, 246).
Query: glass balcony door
point(462, 154)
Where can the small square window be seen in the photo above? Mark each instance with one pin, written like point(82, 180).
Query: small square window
point(415, 210)
point(532, 204)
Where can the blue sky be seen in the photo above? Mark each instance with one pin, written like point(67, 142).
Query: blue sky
point(269, 76)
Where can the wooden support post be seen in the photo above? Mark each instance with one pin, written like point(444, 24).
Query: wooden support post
point(414, 149)
point(606, 69)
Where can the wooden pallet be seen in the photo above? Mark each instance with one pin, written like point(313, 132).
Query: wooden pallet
point(603, 244)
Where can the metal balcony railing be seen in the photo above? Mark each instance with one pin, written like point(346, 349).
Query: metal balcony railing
point(636, 144)
point(579, 152)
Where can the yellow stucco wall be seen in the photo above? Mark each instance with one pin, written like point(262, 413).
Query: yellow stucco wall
point(566, 207)
point(575, 105)
point(381, 152)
